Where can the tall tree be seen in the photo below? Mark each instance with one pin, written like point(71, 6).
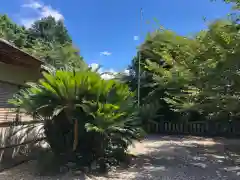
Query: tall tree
point(47, 40)
point(203, 73)
point(12, 32)
point(162, 51)
point(50, 30)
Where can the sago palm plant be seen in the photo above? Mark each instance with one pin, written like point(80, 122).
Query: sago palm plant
point(83, 114)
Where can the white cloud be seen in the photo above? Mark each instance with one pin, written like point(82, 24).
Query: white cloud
point(109, 74)
point(27, 22)
point(135, 38)
point(126, 72)
point(95, 66)
point(105, 53)
point(41, 10)
point(105, 74)
point(33, 5)
point(49, 11)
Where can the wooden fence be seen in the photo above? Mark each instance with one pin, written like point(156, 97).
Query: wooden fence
point(208, 128)
point(17, 138)
point(11, 114)
point(11, 120)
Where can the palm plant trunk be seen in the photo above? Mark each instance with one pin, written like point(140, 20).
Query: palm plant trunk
point(75, 142)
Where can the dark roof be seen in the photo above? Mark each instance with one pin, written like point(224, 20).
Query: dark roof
point(10, 54)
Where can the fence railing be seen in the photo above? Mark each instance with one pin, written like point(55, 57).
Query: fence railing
point(229, 128)
point(11, 114)
point(18, 142)
point(18, 131)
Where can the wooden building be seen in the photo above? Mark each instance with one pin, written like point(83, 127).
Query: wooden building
point(16, 68)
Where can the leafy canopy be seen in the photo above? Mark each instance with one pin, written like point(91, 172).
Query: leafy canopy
point(190, 74)
point(47, 40)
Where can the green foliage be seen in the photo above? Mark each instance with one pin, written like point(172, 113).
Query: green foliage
point(219, 72)
point(47, 40)
point(197, 75)
point(80, 109)
point(12, 32)
point(235, 2)
point(161, 63)
point(50, 30)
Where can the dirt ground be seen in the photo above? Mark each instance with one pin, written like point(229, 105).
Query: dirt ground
point(164, 158)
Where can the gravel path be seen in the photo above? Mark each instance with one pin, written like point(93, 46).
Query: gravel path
point(164, 158)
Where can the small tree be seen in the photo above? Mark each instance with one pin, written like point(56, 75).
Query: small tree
point(84, 115)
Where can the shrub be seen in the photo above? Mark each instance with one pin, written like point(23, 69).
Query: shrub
point(85, 117)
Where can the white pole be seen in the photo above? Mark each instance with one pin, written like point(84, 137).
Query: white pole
point(139, 59)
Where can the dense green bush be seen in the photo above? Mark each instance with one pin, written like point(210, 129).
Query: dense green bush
point(85, 116)
point(190, 78)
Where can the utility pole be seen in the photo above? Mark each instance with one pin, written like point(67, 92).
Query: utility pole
point(139, 59)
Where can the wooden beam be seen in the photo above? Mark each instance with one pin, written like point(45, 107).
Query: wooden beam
point(19, 123)
point(22, 144)
point(17, 55)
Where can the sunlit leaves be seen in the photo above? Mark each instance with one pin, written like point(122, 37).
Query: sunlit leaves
point(47, 40)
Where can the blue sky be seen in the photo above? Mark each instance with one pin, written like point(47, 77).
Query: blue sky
point(108, 31)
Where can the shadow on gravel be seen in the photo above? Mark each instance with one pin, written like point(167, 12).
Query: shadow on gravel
point(188, 158)
point(168, 158)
